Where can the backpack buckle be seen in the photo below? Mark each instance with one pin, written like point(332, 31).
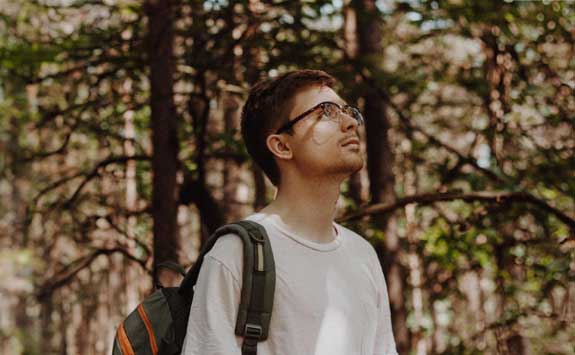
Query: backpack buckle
point(253, 331)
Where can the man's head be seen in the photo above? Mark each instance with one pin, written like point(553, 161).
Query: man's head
point(313, 142)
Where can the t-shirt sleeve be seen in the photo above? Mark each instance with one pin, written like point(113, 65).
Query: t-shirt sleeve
point(213, 313)
point(384, 340)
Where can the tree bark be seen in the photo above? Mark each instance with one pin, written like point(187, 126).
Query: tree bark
point(232, 178)
point(415, 270)
point(380, 172)
point(509, 341)
point(127, 280)
point(350, 39)
point(233, 209)
point(164, 132)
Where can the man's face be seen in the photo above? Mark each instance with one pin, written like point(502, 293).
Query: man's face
point(318, 142)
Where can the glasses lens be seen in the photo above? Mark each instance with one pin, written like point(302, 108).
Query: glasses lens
point(333, 112)
point(353, 112)
point(330, 110)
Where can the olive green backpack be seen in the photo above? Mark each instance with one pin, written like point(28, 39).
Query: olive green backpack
point(158, 325)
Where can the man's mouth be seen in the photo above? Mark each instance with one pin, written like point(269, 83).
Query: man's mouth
point(351, 141)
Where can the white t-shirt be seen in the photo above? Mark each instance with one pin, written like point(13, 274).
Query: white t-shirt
point(330, 298)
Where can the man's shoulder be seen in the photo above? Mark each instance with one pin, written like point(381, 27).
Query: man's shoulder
point(227, 248)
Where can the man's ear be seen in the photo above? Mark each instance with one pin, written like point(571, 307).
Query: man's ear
point(279, 146)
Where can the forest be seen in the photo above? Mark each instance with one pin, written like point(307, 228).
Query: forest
point(120, 149)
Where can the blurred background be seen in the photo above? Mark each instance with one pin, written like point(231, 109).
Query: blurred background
point(120, 149)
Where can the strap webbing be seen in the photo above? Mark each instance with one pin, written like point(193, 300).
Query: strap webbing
point(250, 346)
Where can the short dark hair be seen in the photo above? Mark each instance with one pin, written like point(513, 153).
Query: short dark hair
point(268, 107)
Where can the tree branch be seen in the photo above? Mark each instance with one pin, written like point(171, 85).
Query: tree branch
point(67, 274)
point(96, 172)
point(87, 177)
point(485, 196)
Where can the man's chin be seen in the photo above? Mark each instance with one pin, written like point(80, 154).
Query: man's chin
point(354, 166)
point(359, 164)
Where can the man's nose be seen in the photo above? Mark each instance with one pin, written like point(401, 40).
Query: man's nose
point(348, 122)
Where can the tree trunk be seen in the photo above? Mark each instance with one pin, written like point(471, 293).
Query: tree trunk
point(415, 271)
point(355, 186)
point(126, 281)
point(164, 132)
point(232, 178)
point(381, 178)
point(233, 208)
point(470, 285)
point(509, 341)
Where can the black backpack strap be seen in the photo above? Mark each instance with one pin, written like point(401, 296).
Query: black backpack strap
point(172, 266)
point(258, 285)
point(255, 310)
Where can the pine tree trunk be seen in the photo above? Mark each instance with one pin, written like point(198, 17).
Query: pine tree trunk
point(355, 183)
point(381, 178)
point(231, 104)
point(132, 278)
point(164, 124)
point(415, 271)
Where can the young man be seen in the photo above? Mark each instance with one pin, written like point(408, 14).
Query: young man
point(330, 297)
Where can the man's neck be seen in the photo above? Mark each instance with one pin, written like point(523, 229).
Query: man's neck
point(308, 209)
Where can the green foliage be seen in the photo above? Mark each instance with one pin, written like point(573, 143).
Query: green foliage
point(480, 100)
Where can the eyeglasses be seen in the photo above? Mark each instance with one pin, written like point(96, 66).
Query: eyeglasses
point(329, 111)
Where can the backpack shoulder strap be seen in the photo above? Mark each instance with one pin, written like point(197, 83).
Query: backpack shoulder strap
point(258, 285)
point(257, 302)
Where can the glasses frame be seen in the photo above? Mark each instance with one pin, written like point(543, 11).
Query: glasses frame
point(303, 115)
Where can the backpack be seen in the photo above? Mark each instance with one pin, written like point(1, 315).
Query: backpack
point(158, 325)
